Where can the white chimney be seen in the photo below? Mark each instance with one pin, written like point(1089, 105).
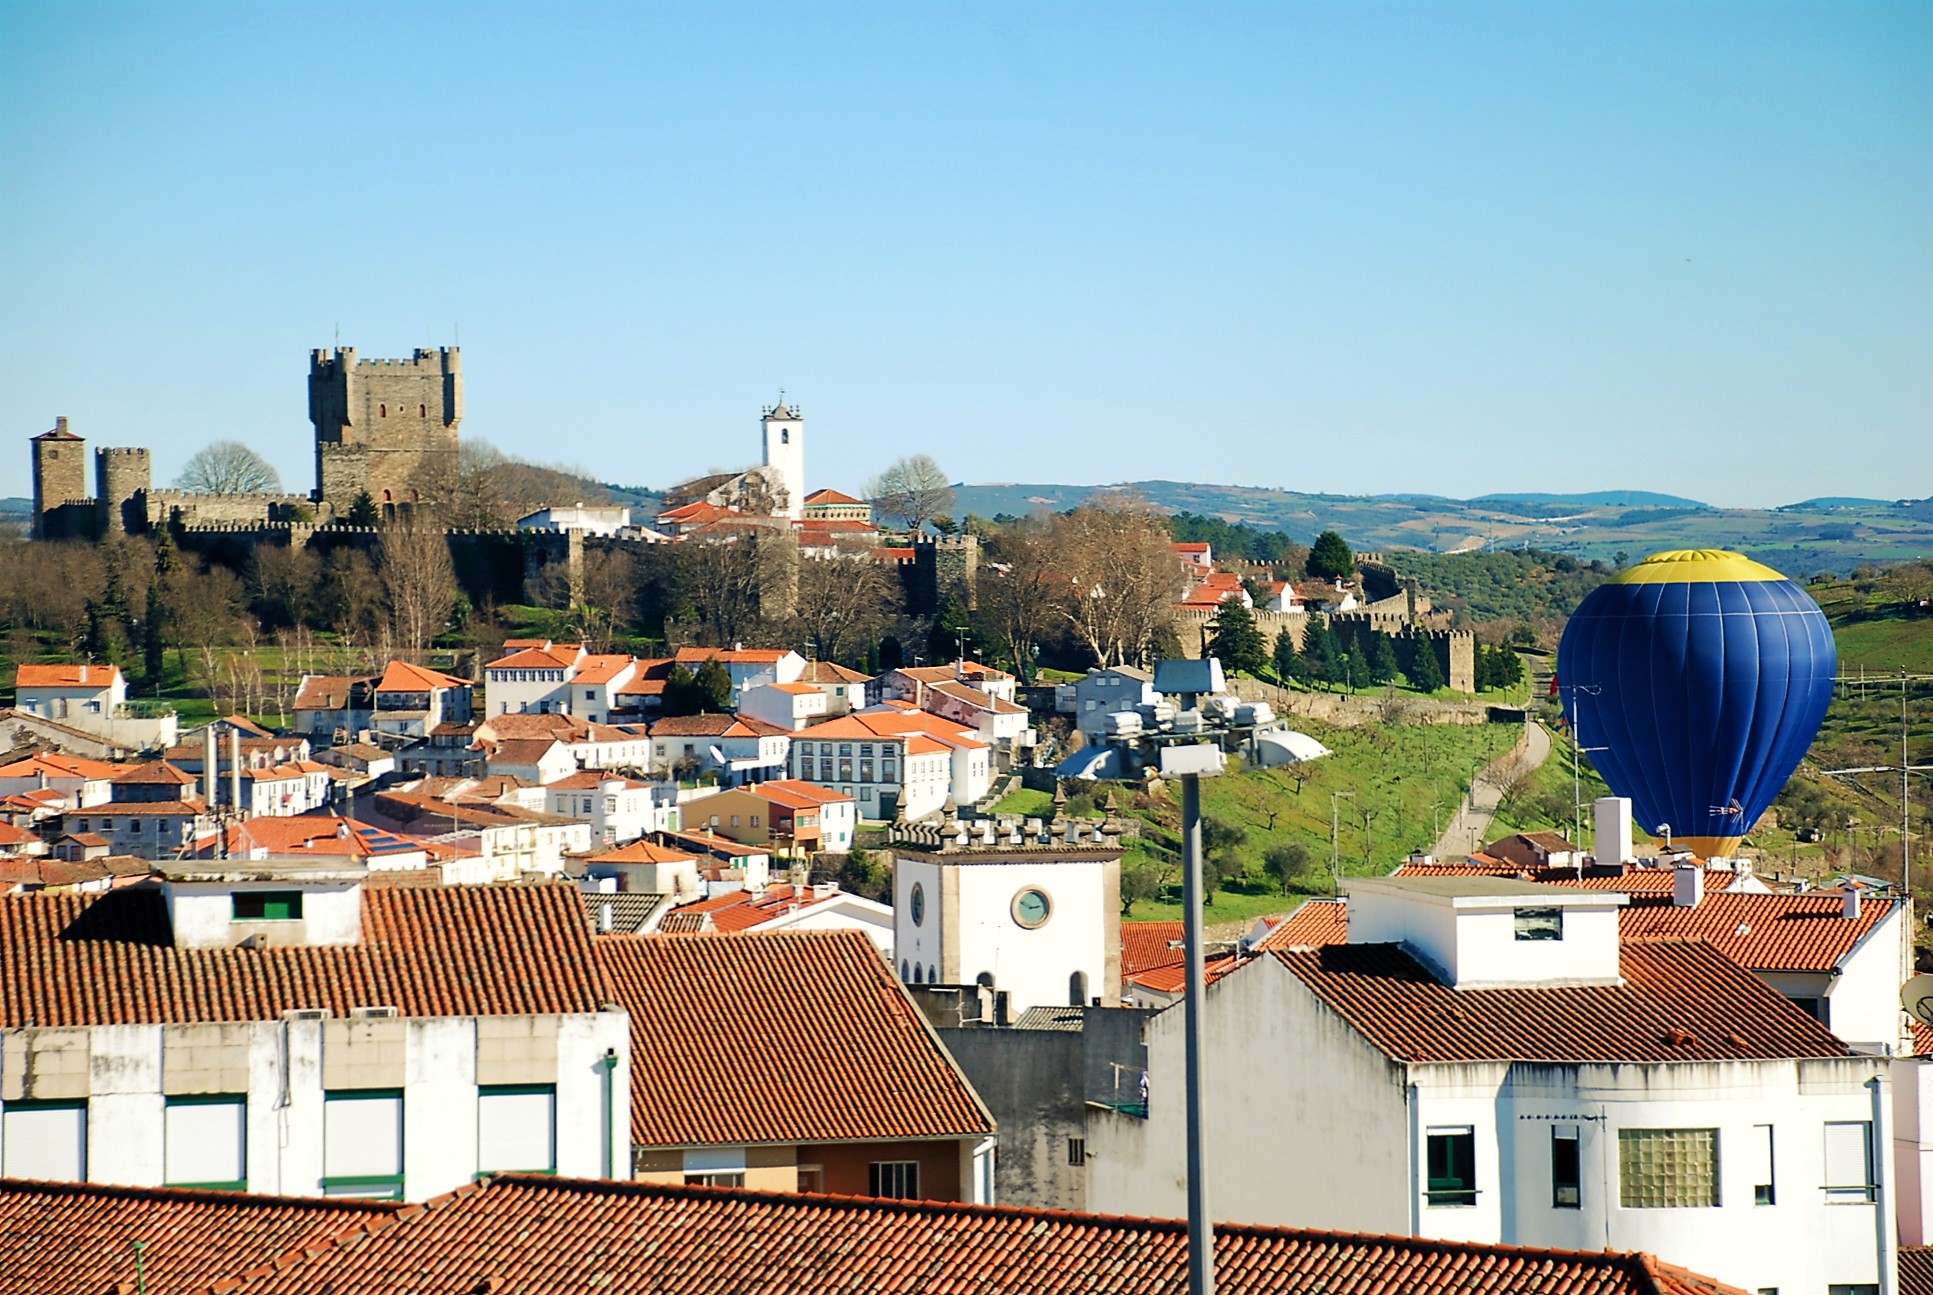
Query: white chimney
point(1687, 885)
point(606, 918)
point(235, 770)
point(1852, 900)
point(1611, 815)
point(208, 767)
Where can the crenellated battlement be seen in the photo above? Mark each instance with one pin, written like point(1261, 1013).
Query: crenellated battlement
point(427, 360)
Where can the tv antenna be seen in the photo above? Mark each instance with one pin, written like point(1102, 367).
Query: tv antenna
point(1905, 769)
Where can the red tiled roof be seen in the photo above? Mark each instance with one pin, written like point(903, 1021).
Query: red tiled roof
point(694, 656)
point(1680, 1001)
point(1173, 978)
point(830, 496)
point(448, 951)
point(67, 676)
point(815, 1017)
point(1318, 922)
point(1632, 881)
point(74, 1236)
point(601, 668)
point(830, 672)
point(741, 910)
point(644, 852)
point(537, 1235)
point(324, 692)
point(534, 659)
point(714, 726)
point(893, 554)
point(1916, 1270)
point(793, 793)
point(56, 765)
point(1763, 932)
point(1147, 945)
point(401, 676)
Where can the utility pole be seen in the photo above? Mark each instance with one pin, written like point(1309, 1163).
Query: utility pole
point(1335, 825)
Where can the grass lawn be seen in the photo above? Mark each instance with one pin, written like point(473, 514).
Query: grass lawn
point(1027, 803)
point(1225, 906)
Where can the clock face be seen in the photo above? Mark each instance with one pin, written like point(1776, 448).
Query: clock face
point(1031, 907)
point(918, 904)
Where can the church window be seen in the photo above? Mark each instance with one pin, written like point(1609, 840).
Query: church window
point(785, 436)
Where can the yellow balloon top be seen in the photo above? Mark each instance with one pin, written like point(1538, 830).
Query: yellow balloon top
point(1695, 566)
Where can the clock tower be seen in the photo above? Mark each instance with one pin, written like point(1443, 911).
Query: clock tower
point(1043, 924)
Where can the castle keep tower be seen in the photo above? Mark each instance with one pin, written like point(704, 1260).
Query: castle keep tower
point(385, 426)
point(122, 478)
point(60, 475)
point(785, 453)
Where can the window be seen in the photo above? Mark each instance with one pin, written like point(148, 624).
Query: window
point(1565, 1178)
point(422, 411)
point(1077, 989)
point(134, 827)
point(785, 436)
point(1849, 1162)
point(754, 820)
point(897, 1178)
point(1077, 1152)
point(1540, 923)
point(205, 1142)
point(44, 1140)
point(266, 905)
point(1851, 1288)
point(362, 1143)
point(1452, 1168)
point(720, 1178)
point(382, 411)
point(1667, 1168)
point(517, 1128)
point(866, 794)
point(1761, 1151)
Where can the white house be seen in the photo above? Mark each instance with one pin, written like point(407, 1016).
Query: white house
point(747, 667)
point(93, 699)
point(531, 680)
point(81, 783)
point(596, 683)
point(386, 1042)
point(751, 749)
point(618, 809)
point(822, 907)
point(412, 700)
point(1105, 692)
point(591, 519)
point(1043, 925)
point(889, 772)
point(1489, 1060)
point(845, 689)
point(538, 760)
point(787, 705)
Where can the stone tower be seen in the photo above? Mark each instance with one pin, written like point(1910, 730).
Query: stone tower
point(785, 453)
point(60, 475)
point(122, 478)
point(385, 426)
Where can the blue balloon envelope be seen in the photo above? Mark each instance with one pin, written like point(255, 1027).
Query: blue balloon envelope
point(1704, 676)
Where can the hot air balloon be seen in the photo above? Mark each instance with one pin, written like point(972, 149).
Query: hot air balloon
point(1702, 676)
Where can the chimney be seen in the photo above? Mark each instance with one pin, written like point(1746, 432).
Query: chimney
point(235, 770)
point(208, 767)
point(606, 919)
point(1611, 815)
point(1688, 886)
point(1852, 900)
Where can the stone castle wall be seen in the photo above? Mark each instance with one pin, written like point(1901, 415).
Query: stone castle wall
point(385, 426)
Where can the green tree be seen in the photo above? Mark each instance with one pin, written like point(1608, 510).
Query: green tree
point(861, 874)
point(1141, 878)
point(1425, 671)
point(1330, 557)
point(1219, 861)
point(713, 683)
point(681, 694)
point(1235, 639)
point(1322, 651)
point(1286, 862)
point(362, 511)
point(1289, 663)
point(1383, 666)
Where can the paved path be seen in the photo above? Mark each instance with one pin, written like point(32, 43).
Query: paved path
point(1465, 832)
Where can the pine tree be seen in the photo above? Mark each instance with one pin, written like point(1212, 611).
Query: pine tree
point(1236, 641)
point(681, 696)
point(1322, 651)
point(1330, 557)
point(1289, 663)
point(362, 511)
point(713, 683)
point(1383, 665)
point(1425, 671)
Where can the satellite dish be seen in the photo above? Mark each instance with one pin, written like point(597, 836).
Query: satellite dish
point(1916, 996)
point(717, 756)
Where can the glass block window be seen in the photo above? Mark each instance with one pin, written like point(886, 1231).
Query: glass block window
point(1667, 1168)
point(1540, 923)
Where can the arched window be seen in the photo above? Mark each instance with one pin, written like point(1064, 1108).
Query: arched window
point(984, 980)
point(785, 436)
point(917, 969)
point(933, 975)
point(422, 411)
point(905, 970)
point(382, 411)
point(1077, 989)
point(386, 497)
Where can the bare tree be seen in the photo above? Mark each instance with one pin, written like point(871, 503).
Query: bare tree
point(1121, 577)
point(420, 582)
point(607, 591)
point(841, 606)
point(229, 468)
point(1021, 587)
point(915, 490)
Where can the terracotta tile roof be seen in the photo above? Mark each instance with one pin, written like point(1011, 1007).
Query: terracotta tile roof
point(796, 689)
point(523, 750)
point(1173, 978)
point(816, 1017)
point(830, 672)
point(526, 1233)
point(592, 779)
point(601, 668)
point(12, 837)
point(56, 765)
point(970, 671)
point(156, 773)
point(1916, 1270)
point(1147, 945)
point(1762, 932)
point(1632, 881)
point(116, 808)
point(714, 726)
point(893, 554)
point(696, 656)
point(794, 793)
point(1680, 1001)
point(401, 676)
point(507, 727)
point(1183, 547)
point(830, 496)
point(325, 692)
point(711, 843)
point(743, 910)
point(67, 676)
point(92, 840)
point(644, 852)
point(1318, 922)
point(1922, 1038)
point(74, 1236)
point(534, 659)
point(108, 959)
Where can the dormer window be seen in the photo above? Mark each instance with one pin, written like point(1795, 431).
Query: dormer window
point(1539, 923)
point(267, 906)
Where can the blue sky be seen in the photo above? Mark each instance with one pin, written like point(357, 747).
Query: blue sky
point(1333, 247)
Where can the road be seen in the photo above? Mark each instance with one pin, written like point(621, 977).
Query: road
point(1474, 813)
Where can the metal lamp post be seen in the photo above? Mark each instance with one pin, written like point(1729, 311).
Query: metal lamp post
point(1335, 837)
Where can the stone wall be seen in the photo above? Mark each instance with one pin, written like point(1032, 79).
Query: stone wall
point(385, 426)
point(121, 476)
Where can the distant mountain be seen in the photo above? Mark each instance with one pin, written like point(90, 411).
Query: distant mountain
point(1826, 503)
point(1831, 535)
point(14, 505)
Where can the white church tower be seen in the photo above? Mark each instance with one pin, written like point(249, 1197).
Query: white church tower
point(785, 453)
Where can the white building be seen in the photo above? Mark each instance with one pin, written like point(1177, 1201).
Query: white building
point(1490, 1061)
point(618, 809)
point(80, 782)
point(94, 700)
point(531, 680)
point(393, 1042)
point(1043, 925)
point(783, 429)
point(788, 705)
point(740, 748)
point(887, 774)
point(591, 519)
point(746, 667)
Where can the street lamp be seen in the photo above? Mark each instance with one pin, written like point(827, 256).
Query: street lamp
point(1335, 822)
